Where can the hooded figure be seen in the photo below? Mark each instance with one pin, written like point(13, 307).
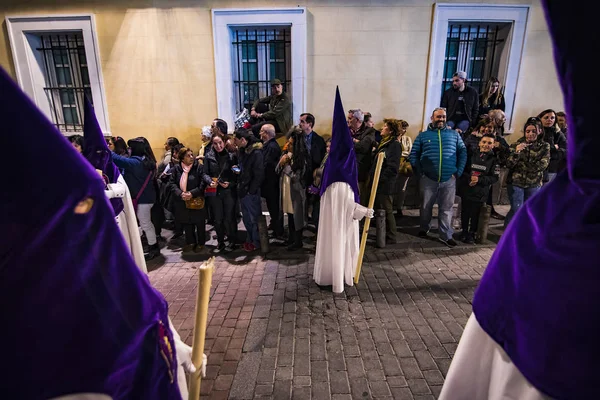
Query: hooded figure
point(78, 315)
point(94, 323)
point(337, 241)
point(97, 153)
point(533, 333)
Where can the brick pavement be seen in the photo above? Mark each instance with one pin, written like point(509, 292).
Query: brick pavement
point(274, 334)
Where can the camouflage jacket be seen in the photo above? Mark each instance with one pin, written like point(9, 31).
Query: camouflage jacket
point(526, 169)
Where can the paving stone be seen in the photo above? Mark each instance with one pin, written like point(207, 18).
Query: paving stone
point(274, 334)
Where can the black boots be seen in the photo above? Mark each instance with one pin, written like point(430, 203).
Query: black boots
point(297, 244)
point(153, 251)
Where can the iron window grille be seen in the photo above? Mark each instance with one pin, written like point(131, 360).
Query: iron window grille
point(259, 56)
point(475, 49)
point(67, 78)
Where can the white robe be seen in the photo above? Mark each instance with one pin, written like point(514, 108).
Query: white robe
point(337, 240)
point(127, 221)
point(481, 370)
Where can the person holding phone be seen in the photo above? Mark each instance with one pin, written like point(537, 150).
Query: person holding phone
point(219, 163)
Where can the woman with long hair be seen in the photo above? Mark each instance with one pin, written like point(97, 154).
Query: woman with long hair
point(292, 169)
point(529, 158)
point(384, 199)
point(218, 163)
point(188, 182)
point(491, 98)
point(557, 141)
point(139, 173)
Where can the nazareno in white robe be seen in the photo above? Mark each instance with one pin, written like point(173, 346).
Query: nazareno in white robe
point(337, 240)
point(127, 221)
point(481, 370)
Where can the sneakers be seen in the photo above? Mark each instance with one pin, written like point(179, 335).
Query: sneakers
point(220, 247)
point(249, 247)
point(423, 234)
point(450, 242)
point(153, 251)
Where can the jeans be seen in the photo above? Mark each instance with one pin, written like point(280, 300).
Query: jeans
point(518, 196)
point(144, 216)
point(251, 210)
point(443, 193)
point(462, 125)
point(551, 176)
point(222, 207)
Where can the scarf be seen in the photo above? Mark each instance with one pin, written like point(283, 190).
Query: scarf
point(385, 141)
point(184, 176)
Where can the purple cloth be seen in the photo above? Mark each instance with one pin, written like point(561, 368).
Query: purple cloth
point(538, 298)
point(341, 163)
point(77, 313)
point(96, 151)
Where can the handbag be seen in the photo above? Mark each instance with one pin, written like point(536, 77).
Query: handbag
point(405, 167)
point(139, 194)
point(195, 203)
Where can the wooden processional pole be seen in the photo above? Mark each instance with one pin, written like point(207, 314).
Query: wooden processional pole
point(203, 296)
point(363, 240)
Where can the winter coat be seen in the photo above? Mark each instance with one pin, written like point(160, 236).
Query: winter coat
point(438, 154)
point(271, 155)
point(364, 151)
point(526, 169)
point(552, 136)
point(252, 172)
point(135, 174)
point(389, 168)
point(485, 167)
point(196, 183)
point(280, 110)
point(471, 99)
point(218, 165)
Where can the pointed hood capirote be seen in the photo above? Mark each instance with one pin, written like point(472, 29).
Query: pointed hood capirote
point(538, 298)
point(96, 151)
point(72, 298)
point(341, 162)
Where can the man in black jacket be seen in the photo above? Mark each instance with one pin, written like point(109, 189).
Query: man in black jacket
point(251, 170)
point(316, 148)
point(481, 172)
point(364, 144)
point(270, 186)
point(461, 103)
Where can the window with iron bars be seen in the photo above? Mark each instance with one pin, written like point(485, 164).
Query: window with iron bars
point(475, 48)
point(67, 78)
point(259, 56)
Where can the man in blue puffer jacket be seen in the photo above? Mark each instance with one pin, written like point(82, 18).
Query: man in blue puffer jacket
point(438, 157)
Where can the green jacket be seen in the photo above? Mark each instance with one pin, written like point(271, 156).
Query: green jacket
point(280, 110)
point(527, 167)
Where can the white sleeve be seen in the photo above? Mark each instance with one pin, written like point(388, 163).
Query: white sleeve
point(115, 190)
point(359, 212)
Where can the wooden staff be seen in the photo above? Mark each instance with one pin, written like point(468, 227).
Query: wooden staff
point(204, 280)
point(363, 240)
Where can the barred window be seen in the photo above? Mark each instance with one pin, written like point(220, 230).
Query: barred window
point(477, 49)
point(259, 56)
point(67, 80)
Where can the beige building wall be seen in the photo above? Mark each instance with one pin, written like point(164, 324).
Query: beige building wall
point(158, 65)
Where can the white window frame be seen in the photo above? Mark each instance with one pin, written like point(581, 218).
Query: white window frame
point(30, 74)
point(442, 15)
point(224, 19)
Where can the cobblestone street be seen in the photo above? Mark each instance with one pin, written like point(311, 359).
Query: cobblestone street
point(274, 334)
